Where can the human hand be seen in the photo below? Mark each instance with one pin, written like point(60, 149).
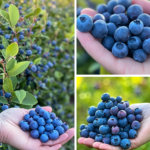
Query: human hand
point(11, 133)
point(135, 143)
point(105, 58)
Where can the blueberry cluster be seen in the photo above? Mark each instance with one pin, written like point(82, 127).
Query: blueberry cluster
point(112, 122)
point(43, 125)
point(123, 28)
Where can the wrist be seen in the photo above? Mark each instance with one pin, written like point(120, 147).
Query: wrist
point(1, 129)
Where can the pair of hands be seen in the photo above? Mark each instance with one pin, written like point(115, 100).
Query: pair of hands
point(105, 58)
point(11, 134)
point(142, 138)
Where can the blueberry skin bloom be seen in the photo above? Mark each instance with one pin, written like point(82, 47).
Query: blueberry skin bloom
point(125, 143)
point(84, 133)
point(140, 55)
point(120, 50)
point(98, 17)
point(135, 125)
point(122, 122)
point(54, 135)
point(105, 97)
point(125, 3)
point(124, 18)
point(111, 4)
point(25, 126)
point(104, 129)
point(112, 122)
point(111, 28)
point(119, 9)
point(34, 134)
point(146, 46)
point(99, 29)
point(116, 19)
point(101, 8)
point(106, 140)
point(134, 11)
point(134, 43)
point(92, 110)
point(122, 34)
point(136, 27)
point(145, 18)
point(108, 42)
point(132, 134)
point(145, 34)
point(84, 23)
point(44, 138)
point(131, 118)
point(107, 16)
point(115, 140)
point(98, 138)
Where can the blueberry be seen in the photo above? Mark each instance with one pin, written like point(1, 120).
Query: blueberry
point(146, 46)
point(145, 18)
point(82, 126)
point(127, 128)
point(109, 104)
point(124, 19)
point(99, 29)
point(107, 16)
point(52, 115)
point(126, 103)
point(33, 125)
point(32, 113)
point(84, 23)
point(8, 95)
point(124, 135)
point(92, 111)
point(121, 106)
point(122, 122)
point(48, 23)
point(98, 17)
point(15, 40)
point(111, 28)
point(6, 5)
point(137, 111)
point(115, 130)
point(41, 112)
point(7, 36)
point(101, 106)
point(33, 68)
point(132, 134)
point(4, 107)
point(49, 127)
point(34, 134)
point(98, 138)
point(21, 122)
point(21, 37)
point(37, 109)
point(114, 117)
point(125, 143)
point(112, 122)
point(108, 42)
point(26, 117)
point(125, 3)
point(106, 113)
point(104, 129)
point(134, 11)
point(54, 135)
point(57, 122)
point(115, 140)
point(29, 52)
point(119, 9)
point(79, 9)
point(136, 27)
point(99, 114)
point(122, 34)
point(96, 129)
point(21, 51)
point(46, 115)
point(112, 99)
point(60, 130)
point(41, 121)
point(139, 55)
point(118, 99)
point(92, 134)
point(114, 110)
point(30, 120)
point(101, 8)
point(139, 117)
point(90, 119)
point(135, 125)
point(122, 114)
point(105, 97)
point(44, 138)
point(120, 50)
point(107, 135)
point(116, 19)
point(84, 133)
point(106, 140)
point(98, 122)
point(49, 121)
point(41, 129)
point(25, 126)
point(110, 6)
point(145, 34)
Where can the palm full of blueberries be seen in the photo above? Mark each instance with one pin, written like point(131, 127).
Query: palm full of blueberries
point(114, 122)
point(10, 119)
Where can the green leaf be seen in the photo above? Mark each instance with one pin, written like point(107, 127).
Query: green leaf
point(29, 15)
point(12, 50)
point(18, 68)
point(10, 65)
point(18, 29)
point(21, 94)
point(4, 53)
point(3, 100)
point(13, 15)
point(37, 61)
point(5, 15)
point(28, 100)
point(4, 41)
point(1, 1)
point(7, 85)
point(37, 11)
point(14, 81)
point(58, 74)
point(37, 27)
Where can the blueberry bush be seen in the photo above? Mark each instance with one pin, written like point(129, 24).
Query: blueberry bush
point(37, 56)
point(89, 90)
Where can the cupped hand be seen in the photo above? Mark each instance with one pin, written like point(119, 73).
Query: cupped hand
point(105, 58)
point(142, 138)
point(11, 133)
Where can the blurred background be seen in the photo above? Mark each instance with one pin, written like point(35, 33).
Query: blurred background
point(89, 91)
point(85, 63)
